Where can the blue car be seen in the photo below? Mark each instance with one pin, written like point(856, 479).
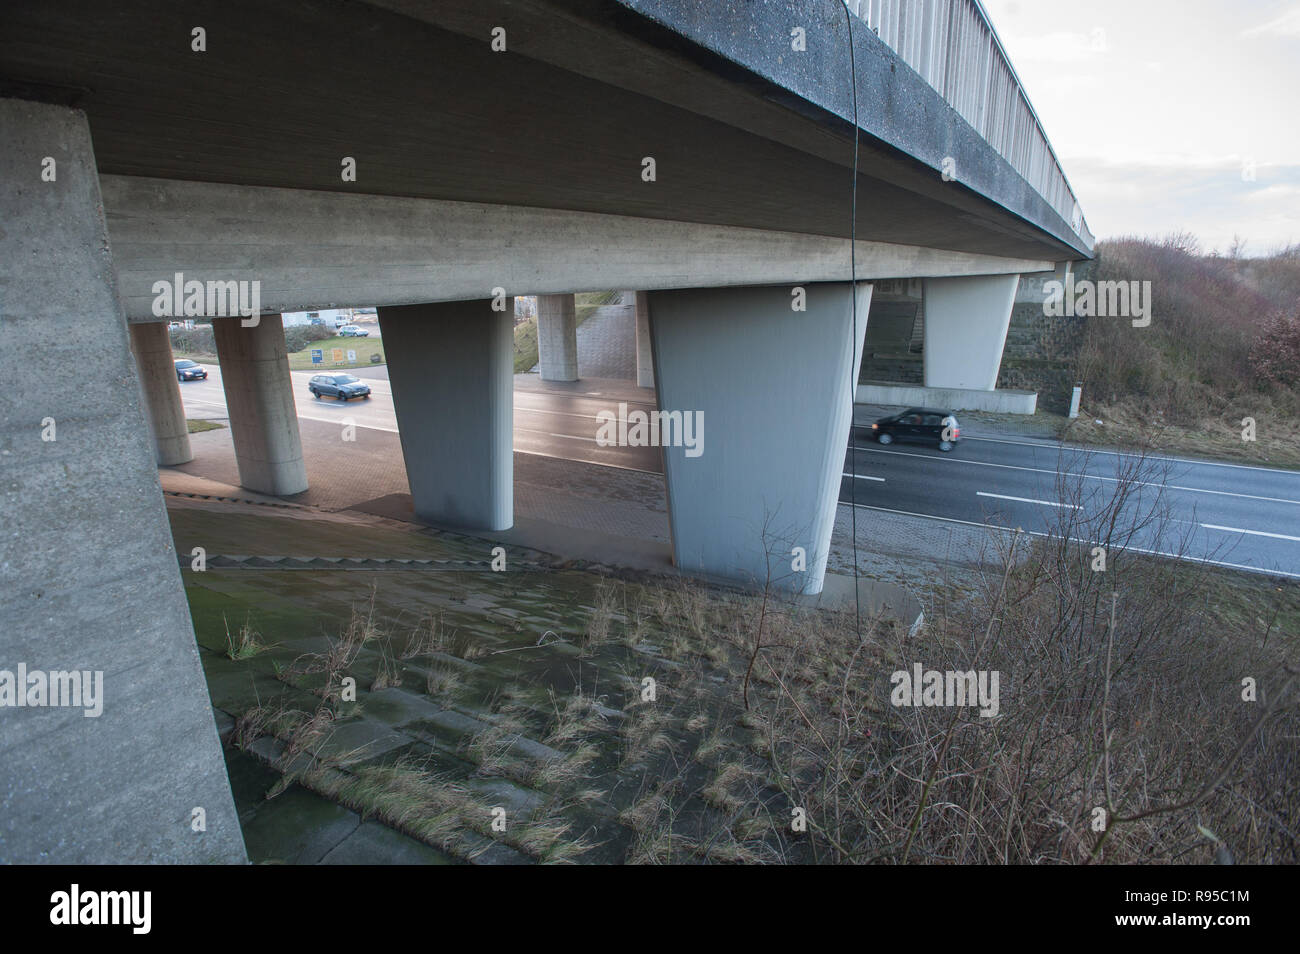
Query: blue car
point(341, 386)
point(187, 370)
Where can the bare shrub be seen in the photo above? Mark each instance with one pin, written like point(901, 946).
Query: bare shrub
point(1122, 734)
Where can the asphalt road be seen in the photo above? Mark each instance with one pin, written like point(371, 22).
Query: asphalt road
point(1228, 514)
point(558, 423)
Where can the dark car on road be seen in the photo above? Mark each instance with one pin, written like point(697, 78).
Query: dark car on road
point(341, 386)
point(187, 370)
point(923, 424)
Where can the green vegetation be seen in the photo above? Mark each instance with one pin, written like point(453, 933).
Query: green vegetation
point(244, 642)
point(198, 344)
point(195, 343)
point(198, 427)
point(525, 345)
point(364, 348)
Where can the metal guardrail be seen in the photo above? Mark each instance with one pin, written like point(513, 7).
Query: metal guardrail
point(953, 46)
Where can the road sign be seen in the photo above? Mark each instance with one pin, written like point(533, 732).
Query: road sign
point(338, 354)
point(317, 355)
point(352, 355)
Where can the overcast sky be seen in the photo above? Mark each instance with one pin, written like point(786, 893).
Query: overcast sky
point(1157, 107)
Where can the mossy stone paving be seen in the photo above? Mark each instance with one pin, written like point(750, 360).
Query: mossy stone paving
point(518, 690)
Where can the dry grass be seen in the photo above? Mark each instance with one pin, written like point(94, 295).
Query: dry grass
point(1216, 435)
point(1120, 691)
point(390, 671)
point(245, 643)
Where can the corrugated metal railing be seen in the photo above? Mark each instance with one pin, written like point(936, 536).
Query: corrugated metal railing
point(954, 47)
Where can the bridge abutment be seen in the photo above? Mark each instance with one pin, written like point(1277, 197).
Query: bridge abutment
point(451, 367)
point(557, 337)
point(771, 390)
point(966, 321)
point(260, 404)
point(151, 344)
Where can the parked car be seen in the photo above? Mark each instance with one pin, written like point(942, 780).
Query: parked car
point(352, 331)
point(923, 424)
point(187, 370)
point(341, 386)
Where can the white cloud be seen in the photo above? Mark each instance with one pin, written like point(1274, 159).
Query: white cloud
point(1060, 47)
point(1202, 194)
point(1288, 24)
point(1276, 193)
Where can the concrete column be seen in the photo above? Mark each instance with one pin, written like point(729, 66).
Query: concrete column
point(966, 321)
point(451, 367)
point(89, 578)
point(260, 402)
point(557, 337)
point(645, 365)
point(775, 391)
point(152, 346)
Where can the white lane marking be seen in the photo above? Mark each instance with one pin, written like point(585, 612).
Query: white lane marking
point(1089, 449)
point(864, 477)
point(547, 410)
point(1253, 533)
point(1045, 503)
point(1113, 480)
point(1037, 533)
point(567, 437)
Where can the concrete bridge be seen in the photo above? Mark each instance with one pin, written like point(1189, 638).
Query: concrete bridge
point(435, 159)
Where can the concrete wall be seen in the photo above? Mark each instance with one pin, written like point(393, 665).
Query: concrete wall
point(952, 399)
point(451, 366)
point(557, 338)
point(88, 575)
point(966, 323)
point(775, 388)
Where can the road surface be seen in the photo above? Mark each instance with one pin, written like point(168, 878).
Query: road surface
point(1228, 514)
point(560, 423)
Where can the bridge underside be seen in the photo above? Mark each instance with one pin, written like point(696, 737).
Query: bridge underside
point(562, 119)
point(322, 249)
point(475, 171)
